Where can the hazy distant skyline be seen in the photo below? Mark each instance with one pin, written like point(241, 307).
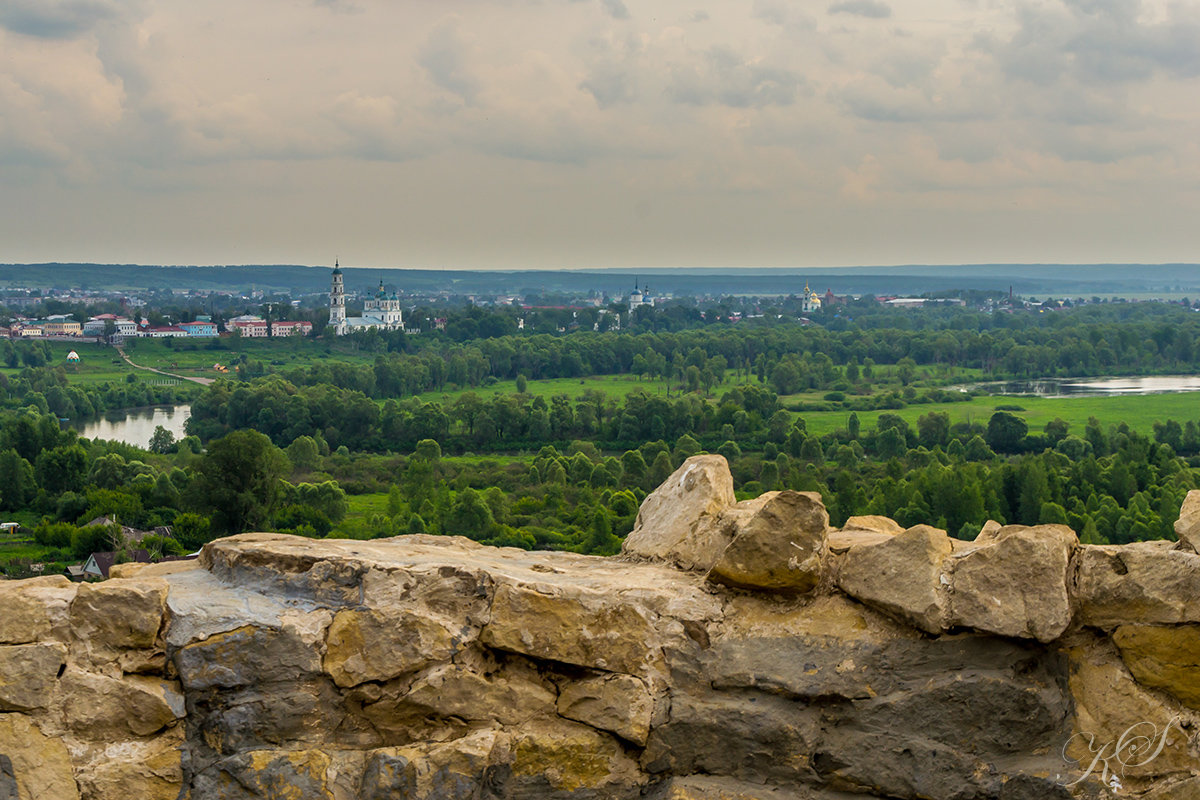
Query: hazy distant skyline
point(593, 133)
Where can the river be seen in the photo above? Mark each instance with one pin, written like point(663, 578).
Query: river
point(135, 426)
point(1091, 387)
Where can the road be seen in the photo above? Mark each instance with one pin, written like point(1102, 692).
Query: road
point(128, 360)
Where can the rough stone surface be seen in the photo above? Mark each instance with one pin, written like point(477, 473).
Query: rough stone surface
point(35, 610)
point(873, 523)
point(778, 548)
point(1015, 583)
point(1166, 658)
point(620, 704)
point(901, 576)
point(146, 770)
point(1111, 704)
point(585, 629)
point(119, 613)
point(110, 709)
point(40, 765)
point(1187, 527)
point(433, 667)
point(372, 645)
point(28, 673)
point(690, 500)
point(1143, 582)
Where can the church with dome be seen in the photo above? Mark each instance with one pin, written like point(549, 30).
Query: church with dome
point(381, 310)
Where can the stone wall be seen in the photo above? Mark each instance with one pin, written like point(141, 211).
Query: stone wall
point(735, 651)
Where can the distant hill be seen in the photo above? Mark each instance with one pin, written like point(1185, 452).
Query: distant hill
point(1026, 279)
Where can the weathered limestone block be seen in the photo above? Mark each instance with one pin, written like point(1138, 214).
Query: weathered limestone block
point(770, 739)
point(119, 615)
point(708, 787)
point(301, 712)
point(253, 655)
point(687, 504)
point(901, 576)
point(1187, 527)
point(779, 547)
point(874, 523)
point(1163, 657)
point(35, 609)
point(256, 774)
point(28, 674)
point(438, 771)
point(574, 626)
point(1109, 703)
point(307, 570)
point(107, 709)
point(507, 696)
point(556, 758)
point(380, 644)
point(41, 765)
point(1185, 789)
point(1147, 583)
point(147, 770)
point(619, 704)
point(1015, 584)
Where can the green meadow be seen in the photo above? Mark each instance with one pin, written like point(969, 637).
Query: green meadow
point(1140, 412)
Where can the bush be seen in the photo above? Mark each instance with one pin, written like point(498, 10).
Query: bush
point(54, 534)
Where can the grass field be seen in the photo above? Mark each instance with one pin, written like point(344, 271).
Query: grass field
point(612, 385)
point(1140, 412)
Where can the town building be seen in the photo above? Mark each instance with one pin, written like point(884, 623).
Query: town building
point(382, 310)
point(59, 325)
point(199, 328)
point(250, 327)
point(639, 298)
point(291, 328)
point(161, 331)
point(121, 325)
point(810, 301)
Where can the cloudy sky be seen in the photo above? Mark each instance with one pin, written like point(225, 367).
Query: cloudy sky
point(591, 133)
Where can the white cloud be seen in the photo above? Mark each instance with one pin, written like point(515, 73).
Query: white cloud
point(706, 116)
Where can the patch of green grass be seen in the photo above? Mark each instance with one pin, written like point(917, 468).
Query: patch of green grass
point(614, 386)
point(1140, 412)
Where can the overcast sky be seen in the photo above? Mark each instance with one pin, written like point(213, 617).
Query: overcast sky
point(591, 133)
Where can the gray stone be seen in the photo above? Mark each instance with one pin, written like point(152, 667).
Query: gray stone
point(688, 503)
point(778, 548)
point(901, 576)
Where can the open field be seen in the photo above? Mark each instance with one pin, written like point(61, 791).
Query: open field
point(614, 386)
point(1140, 412)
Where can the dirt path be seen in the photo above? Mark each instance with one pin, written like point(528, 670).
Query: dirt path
point(128, 360)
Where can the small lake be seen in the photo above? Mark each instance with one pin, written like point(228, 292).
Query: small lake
point(1091, 387)
point(135, 426)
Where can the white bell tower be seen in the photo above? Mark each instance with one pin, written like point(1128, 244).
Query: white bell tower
point(337, 300)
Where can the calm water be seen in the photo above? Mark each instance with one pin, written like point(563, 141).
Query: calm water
point(1093, 387)
point(137, 426)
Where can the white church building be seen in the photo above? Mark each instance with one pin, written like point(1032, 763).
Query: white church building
point(379, 311)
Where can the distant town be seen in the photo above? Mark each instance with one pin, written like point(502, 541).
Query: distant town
point(349, 306)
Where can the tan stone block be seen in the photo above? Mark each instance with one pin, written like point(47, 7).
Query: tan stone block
point(35, 609)
point(778, 548)
point(376, 645)
point(29, 674)
point(1163, 657)
point(41, 764)
point(579, 627)
point(619, 704)
point(670, 523)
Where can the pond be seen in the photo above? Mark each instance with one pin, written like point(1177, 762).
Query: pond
point(135, 426)
point(1091, 387)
